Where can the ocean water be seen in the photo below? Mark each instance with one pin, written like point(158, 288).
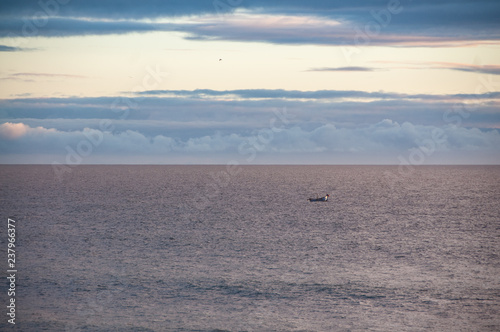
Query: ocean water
point(212, 248)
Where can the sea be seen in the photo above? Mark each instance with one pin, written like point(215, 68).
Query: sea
point(240, 248)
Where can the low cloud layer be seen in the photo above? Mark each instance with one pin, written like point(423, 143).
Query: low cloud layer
point(387, 136)
point(175, 126)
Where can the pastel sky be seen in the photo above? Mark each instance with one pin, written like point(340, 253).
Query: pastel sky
point(250, 82)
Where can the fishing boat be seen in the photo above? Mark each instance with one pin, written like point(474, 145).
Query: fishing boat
point(319, 199)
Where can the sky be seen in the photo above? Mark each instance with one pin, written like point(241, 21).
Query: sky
point(402, 82)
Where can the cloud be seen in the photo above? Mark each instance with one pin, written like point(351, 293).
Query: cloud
point(354, 27)
point(318, 30)
point(402, 23)
point(386, 136)
point(270, 93)
point(37, 77)
point(4, 48)
point(483, 69)
point(423, 12)
point(64, 27)
point(47, 75)
point(317, 94)
point(114, 9)
point(475, 68)
point(13, 131)
point(193, 113)
point(352, 68)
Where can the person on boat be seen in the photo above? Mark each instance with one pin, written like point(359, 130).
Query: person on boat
point(319, 199)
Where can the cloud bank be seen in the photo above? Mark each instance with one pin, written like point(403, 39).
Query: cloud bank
point(402, 23)
point(175, 126)
point(384, 137)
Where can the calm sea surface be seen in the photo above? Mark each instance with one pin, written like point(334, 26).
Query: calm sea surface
point(206, 248)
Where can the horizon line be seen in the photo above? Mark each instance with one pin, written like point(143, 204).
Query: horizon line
point(232, 164)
